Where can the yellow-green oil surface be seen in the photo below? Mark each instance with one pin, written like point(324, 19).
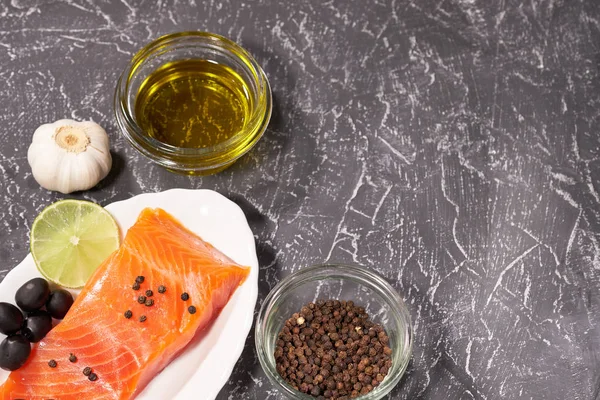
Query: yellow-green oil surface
point(192, 103)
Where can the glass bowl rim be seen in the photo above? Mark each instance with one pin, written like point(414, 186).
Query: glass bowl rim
point(353, 272)
point(258, 121)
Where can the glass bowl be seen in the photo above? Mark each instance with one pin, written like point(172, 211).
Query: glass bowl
point(336, 282)
point(185, 46)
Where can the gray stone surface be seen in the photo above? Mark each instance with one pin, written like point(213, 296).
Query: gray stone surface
point(451, 145)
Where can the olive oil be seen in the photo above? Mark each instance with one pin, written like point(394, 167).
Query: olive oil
point(193, 103)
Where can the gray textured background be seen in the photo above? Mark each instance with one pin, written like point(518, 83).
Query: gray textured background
point(451, 145)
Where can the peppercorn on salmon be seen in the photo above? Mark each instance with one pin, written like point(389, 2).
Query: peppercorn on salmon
point(124, 339)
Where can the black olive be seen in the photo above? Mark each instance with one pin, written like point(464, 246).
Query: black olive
point(37, 325)
point(14, 351)
point(11, 319)
point(59, 303)
point(33, 294)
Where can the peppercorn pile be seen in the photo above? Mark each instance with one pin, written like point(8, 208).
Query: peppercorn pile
point(331, 350)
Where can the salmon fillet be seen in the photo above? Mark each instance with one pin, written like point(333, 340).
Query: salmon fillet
point(126, 354)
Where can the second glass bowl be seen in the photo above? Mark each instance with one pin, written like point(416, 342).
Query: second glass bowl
point(193, 45)
point(336, 282)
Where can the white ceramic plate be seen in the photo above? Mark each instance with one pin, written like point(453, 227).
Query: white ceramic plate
point(203, 368)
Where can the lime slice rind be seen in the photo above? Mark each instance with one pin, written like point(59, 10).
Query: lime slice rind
point(70, 238)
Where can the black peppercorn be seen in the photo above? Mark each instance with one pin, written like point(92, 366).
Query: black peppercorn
point(93, 377)
point(192, 310)
point(72, 358)
point(330, 349)
point(52, 363)
point(162, 289)
point(142, 299)
point(315, 391)
point(128, 314)
point(87, 371)
point(185, 296)
point(149, 302)
point(136, 286)
point(149, 293)
point(139, 279)
point(143, 318)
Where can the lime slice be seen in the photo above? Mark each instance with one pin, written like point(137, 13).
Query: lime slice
point(69, 240)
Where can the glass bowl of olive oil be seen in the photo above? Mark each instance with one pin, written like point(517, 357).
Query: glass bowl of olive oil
point(193, 102)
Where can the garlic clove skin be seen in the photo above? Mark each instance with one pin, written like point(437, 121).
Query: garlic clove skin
point(68, 156)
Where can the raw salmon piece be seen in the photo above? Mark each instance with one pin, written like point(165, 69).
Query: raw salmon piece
point(126, 353)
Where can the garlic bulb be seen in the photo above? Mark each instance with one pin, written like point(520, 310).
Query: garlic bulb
point(69, 156)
